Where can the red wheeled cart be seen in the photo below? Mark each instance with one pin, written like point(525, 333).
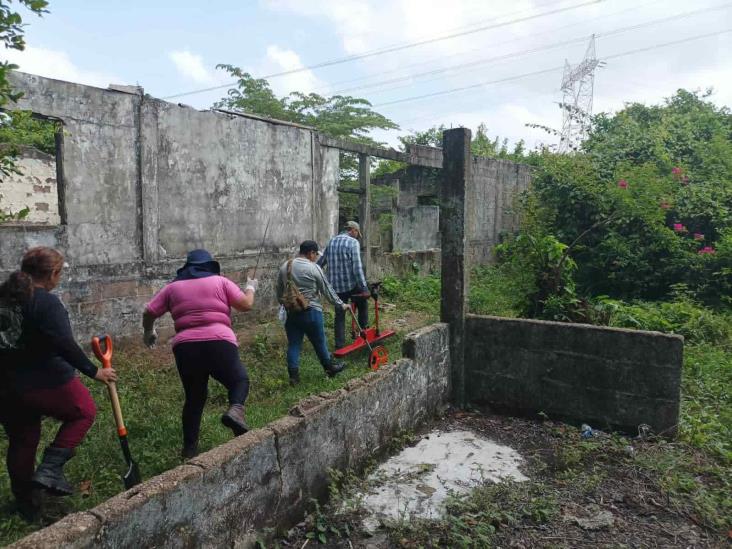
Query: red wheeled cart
point(370, 336)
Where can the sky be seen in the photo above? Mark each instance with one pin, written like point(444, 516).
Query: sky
point(509, 55)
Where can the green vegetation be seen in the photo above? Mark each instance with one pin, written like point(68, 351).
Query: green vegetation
point(22, 129)
point(644, 206)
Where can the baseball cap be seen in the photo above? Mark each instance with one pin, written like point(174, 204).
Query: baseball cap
point(353, 225)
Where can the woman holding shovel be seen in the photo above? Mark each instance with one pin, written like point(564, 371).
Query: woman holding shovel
point(200, 302)
point(40, 361)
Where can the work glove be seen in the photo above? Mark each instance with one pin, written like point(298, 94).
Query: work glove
point(150, 338)
point(345, 306)
point(252, 283)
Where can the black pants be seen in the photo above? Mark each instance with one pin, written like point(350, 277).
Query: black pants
point(362, 305)
point(196, 361)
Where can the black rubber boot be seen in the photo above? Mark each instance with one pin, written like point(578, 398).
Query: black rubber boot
point(334, 368)
point(234, 419)
point(294, 377)
point(50, 473)
point(28, 503)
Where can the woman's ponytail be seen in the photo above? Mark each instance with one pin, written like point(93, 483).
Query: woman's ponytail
point(17, 289)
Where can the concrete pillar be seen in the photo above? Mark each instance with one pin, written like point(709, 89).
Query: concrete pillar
point(364, 209)
point(456, 181)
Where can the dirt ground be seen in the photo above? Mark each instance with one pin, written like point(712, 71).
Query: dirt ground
point(581, 493)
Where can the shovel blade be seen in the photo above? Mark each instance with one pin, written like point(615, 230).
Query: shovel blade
point(132, 477)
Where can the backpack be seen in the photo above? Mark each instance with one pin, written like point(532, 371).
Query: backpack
point(292, 299)
point(11, 326)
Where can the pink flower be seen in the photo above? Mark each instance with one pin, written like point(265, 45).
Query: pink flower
point(679, 228)
point(707, 250)
point(698, 236)
point(676, 170)
point(623, 184)
point(665, 205)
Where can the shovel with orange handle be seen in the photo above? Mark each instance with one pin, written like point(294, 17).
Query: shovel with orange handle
point(132, 477)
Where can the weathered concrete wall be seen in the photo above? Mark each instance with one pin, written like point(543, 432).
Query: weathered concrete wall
point(491, 204)
point(402, 264)
point(607, 377)
point(144, 181)
point(267, 477)
point(100, 168)
point(417, 228)
point(33, 188)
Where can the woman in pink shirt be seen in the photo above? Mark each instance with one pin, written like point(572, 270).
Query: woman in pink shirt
point(200, 302)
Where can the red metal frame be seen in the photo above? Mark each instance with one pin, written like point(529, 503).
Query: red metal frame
point(373, 335)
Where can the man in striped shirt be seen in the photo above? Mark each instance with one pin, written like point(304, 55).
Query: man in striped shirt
point(342, 257)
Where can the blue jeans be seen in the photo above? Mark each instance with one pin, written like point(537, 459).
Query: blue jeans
point(307, 323)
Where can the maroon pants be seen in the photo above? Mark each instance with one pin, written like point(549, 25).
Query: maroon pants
point(72, 404)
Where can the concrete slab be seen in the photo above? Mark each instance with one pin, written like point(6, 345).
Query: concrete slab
point(416, 482)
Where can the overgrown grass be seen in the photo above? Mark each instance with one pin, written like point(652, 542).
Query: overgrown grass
point(152, 397)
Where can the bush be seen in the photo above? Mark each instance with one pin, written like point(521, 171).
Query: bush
point(420, 293)
point(683, 316)
point(646, 205)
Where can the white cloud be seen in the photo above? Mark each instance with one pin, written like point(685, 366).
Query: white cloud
point(58, 64)
point(281, 60)
point(191, 66)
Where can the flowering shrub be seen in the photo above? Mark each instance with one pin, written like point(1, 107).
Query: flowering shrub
point(646, 204)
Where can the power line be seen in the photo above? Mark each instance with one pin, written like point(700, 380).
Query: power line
point(392, 49)
point(457, 68)
point(442, 58)
point(544, 71)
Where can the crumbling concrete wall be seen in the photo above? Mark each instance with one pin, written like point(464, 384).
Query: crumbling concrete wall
point(403, 264)
point(267, 477)
point(492, 206)
point(610, 378)
point(414, 228)
point(144, 181)
point(34, 187)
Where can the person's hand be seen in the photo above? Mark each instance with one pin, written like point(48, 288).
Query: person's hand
point(345, 306)
point(106, 375)
point(252, 283)
point(150, 338)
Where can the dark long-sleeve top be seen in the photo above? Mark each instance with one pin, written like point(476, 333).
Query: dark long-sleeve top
point(50, 355)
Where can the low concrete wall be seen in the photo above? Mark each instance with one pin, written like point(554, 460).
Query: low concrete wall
point(607, 377)
point(266, 477)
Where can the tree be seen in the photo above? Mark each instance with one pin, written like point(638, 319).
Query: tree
point(336, 116)
point(11, 36)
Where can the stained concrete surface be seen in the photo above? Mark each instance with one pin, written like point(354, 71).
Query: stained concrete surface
point(416, 482)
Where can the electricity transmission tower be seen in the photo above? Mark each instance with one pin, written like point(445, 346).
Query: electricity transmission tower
point(577, 87)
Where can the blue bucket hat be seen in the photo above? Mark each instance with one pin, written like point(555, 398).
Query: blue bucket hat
point(199, 264)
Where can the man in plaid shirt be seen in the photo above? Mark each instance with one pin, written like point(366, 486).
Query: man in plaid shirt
point(342, 257)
